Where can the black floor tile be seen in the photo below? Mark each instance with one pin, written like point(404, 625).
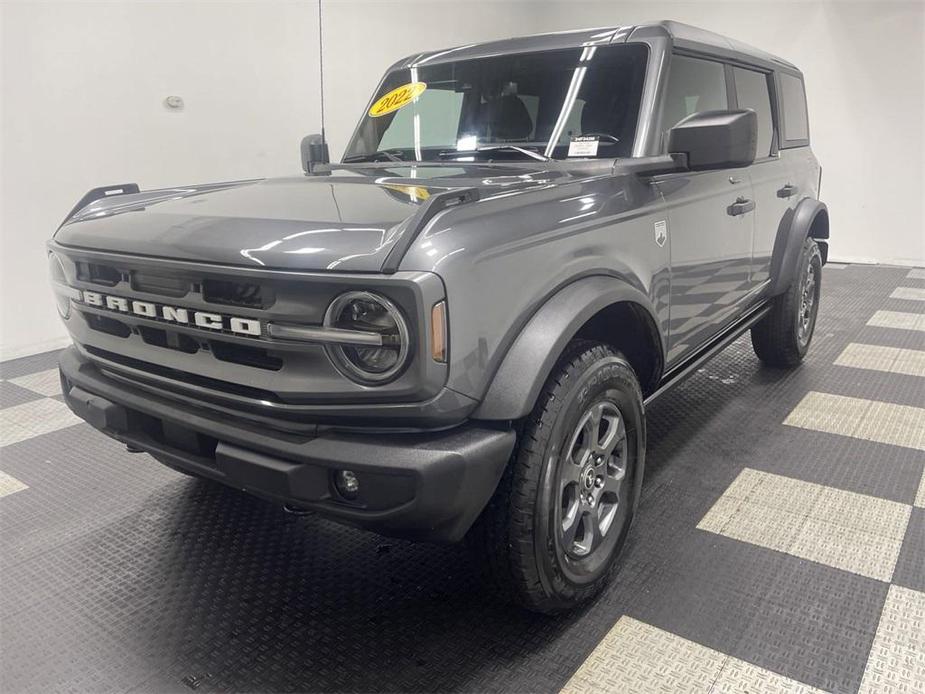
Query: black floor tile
point(910, 567)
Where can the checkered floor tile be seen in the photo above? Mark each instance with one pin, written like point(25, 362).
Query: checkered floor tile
point(637, 657)
point(779, 546)
point(900, 320)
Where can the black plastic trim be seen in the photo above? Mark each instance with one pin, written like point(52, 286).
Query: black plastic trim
point(790, 237)
point(436, 204)
point(98, 193)
point(689, 366)
point(531, 358)
point(426, 486)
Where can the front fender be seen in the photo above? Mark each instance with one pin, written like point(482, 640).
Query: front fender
point(534, 352)
point(791, 234)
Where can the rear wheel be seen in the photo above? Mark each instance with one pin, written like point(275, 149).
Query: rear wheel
point(782, 337)
point(561, 514)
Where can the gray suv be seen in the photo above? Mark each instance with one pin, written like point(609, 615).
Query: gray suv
point(454, 332)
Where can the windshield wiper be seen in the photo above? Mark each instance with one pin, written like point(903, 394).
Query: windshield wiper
point(373, 156)
point(492, 148)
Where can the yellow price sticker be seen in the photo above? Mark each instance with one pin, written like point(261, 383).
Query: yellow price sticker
point(395, 99)
point(413, 192)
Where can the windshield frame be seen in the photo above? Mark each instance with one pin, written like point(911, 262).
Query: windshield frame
point(639, 130)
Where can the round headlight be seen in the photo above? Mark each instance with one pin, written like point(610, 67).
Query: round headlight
point(368, 313)
point(56, 272)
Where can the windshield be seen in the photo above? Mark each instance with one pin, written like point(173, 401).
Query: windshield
point(573, 103)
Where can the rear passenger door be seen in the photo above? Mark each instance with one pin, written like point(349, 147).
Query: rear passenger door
point(710, 241)
point(774, 193)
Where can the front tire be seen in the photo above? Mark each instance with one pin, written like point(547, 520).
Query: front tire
point(563, 509)
point(782, 337)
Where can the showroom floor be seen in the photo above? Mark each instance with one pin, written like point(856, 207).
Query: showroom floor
point(780, 541)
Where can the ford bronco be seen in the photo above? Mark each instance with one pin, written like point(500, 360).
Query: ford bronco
point(455, 331)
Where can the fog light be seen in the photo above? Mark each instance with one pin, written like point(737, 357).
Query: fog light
point(347, 484)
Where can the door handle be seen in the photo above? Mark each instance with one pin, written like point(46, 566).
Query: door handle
point(787, 191)
point(740, 206)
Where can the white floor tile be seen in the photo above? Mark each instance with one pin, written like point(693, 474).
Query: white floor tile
point(897, 657)
point(908, 293)
point(884, 422)
point(910, 362)
point(637, 657)
point(916, 274)
point(46, 383)
point(854, 532)
point(899, 320)
point(10, 485)
point(920, 495)
point(33, 419)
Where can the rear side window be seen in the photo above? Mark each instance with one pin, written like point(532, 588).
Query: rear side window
point(793, 108)
point(752, 92)
point(694, 85)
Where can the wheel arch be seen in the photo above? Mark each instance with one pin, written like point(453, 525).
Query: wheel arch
point(600, 308)
point(809, 218)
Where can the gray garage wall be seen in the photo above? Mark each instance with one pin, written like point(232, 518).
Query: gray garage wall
point(83, 86)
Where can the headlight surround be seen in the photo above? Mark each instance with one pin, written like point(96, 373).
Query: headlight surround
point(370, 313)
point(59, 279)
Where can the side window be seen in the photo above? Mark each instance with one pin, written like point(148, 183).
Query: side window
point(793, 108)
point(752, 92)
point(693, 85)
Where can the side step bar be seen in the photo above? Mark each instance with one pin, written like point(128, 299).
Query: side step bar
point(708, 351)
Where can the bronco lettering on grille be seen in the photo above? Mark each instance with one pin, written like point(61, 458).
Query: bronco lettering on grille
point(174, 314)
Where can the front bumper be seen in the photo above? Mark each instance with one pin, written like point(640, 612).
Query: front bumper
point(423, 486)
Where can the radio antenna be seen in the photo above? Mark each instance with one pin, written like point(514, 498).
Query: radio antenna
point(321, 67)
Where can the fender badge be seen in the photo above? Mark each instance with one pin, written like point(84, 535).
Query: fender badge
point(661, 233)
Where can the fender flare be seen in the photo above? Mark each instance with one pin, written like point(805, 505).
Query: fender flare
point(533, 354)
point(791, 234)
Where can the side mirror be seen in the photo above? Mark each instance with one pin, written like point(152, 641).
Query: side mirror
point(314, 151)
point(716, 139)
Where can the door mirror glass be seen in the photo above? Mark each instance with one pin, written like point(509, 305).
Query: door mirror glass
point(314, 151)
point(715, 139)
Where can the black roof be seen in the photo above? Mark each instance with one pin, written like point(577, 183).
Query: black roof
point(680, 35)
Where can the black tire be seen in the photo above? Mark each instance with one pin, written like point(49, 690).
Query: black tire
point(782, 338)
point(532, 530)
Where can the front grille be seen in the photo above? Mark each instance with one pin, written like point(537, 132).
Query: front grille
point(105, 324)
point(184, 376)
point(96, 273)
point(160, 284)
point(155, 322)
point(244, 355)
point(231, 293)
point(168, 339)
point(230, 352)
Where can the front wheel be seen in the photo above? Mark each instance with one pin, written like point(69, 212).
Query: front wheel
point(562, 511)
point(782, 337)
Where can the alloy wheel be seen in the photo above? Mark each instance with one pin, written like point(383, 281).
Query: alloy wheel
point(591, 475)
point(806, 316)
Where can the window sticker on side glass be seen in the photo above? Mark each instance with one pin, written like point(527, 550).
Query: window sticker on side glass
point(585, 146)
point(395, 99)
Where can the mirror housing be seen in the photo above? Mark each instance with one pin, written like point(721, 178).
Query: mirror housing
point(716, 139)
point(314, 152)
